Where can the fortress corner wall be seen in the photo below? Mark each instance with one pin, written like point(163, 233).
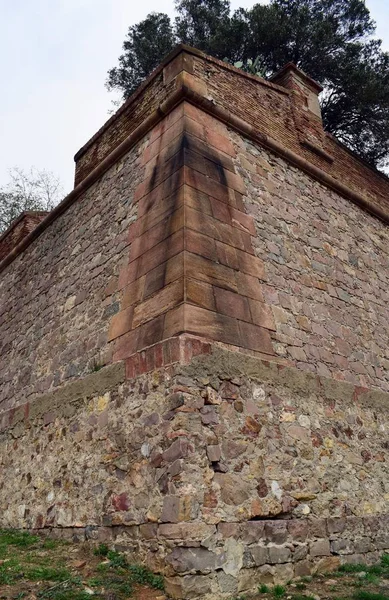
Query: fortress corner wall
point(194, 363)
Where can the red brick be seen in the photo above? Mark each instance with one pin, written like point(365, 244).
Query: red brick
point(209, 136)
point(227, 255)
point(174, 322)
point(200, 244)
point(126, 345)
point(204, 119)
point(231, 304)
point(262, 315)
point(157, 234)
point(255, 338)
point(162, 135)
point(132, 366)
point(197, 200)
point(121, 323)
point(221, 210)
point(206, 185)
point(194, 144)
point(202, 269)
point(133, 293)
point(242, 221)
point(150, 333)
point(252, 265)
point(200, 293)
point(210, 166)
point(165, 299)
point(215, 229)
point(159, 355)
point(156, 205)
point(249, 286)
point(168, 173)
point(182, 62)
point(155, 256)
point(171, 351)
point(211, 325)
point(175, 268)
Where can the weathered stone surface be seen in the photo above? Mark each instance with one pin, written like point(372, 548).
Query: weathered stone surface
point(233, 490)
point(319, 548)
point(279, 554)
point(184, 560)
point(276, 532)
point(188, 586)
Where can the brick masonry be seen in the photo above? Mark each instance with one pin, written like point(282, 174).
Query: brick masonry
point(194, 361)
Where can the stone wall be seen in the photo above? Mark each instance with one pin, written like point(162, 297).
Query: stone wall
point(194, 361)
point(55, 302)
point(327, 276)
point(220, 473)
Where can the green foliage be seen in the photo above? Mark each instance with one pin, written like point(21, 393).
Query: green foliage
point(32, 191)
point(22, 539)
point(142, 575)
point(350, 568)
point(278, 591)
point(145, 45)
point(385, 561)
point(366, 595)
point(331, 40)
point(263, 589)
point(101, 550)
point(43, 573)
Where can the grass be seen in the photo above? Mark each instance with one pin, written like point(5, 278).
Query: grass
point(54, 570)
point(349, 582)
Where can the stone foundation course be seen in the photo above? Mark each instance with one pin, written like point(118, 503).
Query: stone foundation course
point(221, 473)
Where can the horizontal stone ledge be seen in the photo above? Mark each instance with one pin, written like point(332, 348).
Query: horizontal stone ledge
point(190, 356)
point(65, 399)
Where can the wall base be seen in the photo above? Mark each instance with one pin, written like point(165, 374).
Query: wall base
point(220, 470)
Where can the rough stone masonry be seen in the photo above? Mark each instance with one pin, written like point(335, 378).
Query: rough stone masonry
point(194, 343)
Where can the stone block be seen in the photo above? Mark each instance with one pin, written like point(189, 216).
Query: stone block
point(214, 453)
point(250, 579)
point(252, 532)
point(185, 560)
point(298, 530)
point(363, 545)
point(227, 583)
point(276, 532)
point(261, 555)
point(300, 552)
point(336, 525)
point(185, 531)
point(342, 546)
point(283, 573)
point(317, 528)
point(279, 554)
point(326, 565)
point(188, 586)
point(302, 568)
point(227, 530)
point(319, 548)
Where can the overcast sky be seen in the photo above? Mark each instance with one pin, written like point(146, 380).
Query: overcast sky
point(54, 57)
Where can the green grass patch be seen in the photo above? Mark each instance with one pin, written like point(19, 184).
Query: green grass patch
point(263, 589)
point(366, 595)
point(278, 591)
point(44, 573)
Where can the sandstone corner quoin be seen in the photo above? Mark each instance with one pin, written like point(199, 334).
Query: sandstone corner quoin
point(194, 358)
